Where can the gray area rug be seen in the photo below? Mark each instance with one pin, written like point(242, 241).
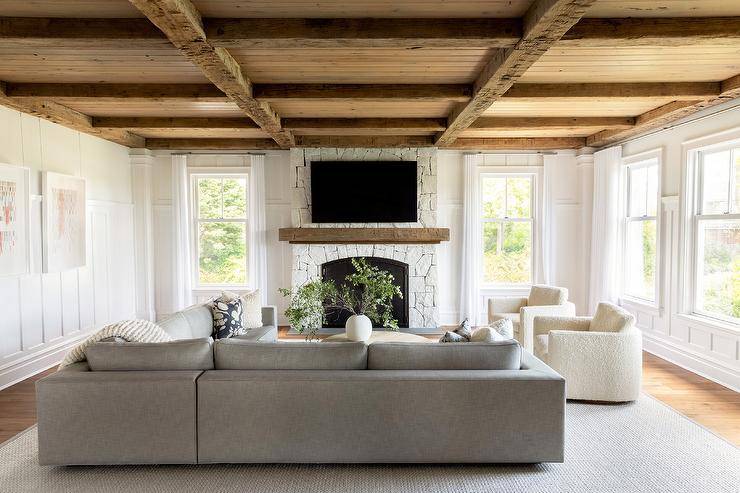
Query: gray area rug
point(640, 447)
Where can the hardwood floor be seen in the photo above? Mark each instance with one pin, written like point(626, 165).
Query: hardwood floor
point(709, 404)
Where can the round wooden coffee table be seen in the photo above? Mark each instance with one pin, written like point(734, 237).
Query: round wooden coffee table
point(383, 336)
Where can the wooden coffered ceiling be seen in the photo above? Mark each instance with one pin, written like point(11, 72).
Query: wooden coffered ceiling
point(467, 74)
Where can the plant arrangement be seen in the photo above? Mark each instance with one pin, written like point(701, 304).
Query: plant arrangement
point(368, 291)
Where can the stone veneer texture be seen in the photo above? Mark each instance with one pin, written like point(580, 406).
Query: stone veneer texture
point(422, 259)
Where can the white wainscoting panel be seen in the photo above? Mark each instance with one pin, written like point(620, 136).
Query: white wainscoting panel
point(43, 315)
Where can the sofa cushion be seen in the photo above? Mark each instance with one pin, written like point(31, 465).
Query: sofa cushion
point(514, 317)
point(237, 354)
point(191, 323)
point(540, 295)
point(503, 355)
point(611, 318)
point(190, 354)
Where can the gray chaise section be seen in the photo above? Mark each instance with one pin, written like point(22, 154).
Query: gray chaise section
point(197, 322)
point(415, 416)
point(117, 417)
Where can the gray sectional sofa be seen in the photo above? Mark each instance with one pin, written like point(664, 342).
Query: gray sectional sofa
point(235, 400)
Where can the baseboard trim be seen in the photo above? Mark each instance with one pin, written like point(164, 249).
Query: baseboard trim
point(691, 362)
point(39, 362)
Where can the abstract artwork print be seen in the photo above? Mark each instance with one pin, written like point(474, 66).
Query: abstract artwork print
point(14, 219)
point(64, 222)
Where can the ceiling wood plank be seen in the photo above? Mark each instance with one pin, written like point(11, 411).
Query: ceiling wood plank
point(363, 33)
point(659, 31)
point(517, 143)
point(57, 113)
point(172, 123)
point(426, 124)
point(181, 23)
point(405, 92)
point(548, 123)
point(619, 90)
point(211, 144)
point(362, 141)
point(545, 22)
point(667, 114)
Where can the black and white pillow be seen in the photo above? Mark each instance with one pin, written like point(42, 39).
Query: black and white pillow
point(227, 318)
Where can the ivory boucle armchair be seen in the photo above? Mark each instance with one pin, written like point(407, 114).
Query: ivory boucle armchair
point(600, 357)
point(542, 300)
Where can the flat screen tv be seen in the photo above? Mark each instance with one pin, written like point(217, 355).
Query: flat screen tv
point(363, 191)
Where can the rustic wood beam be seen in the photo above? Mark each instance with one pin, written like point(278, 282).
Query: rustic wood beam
point(659, 31)
point(115, 92)
point(362, 141)
point(549, 123)
point(619, 90)
point(171, 123)
point(363, 33)
point(358, 33)
point(518, 143)
point(667, 114)
point(57, 113)
point(426, 124)
point(364, 235)
point(180, 21)
point(545, 22)
point(82, 33)
point(212, 144)
point(403, 92)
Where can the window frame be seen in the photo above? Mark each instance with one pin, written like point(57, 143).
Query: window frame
point(645, 159)
point(533, 220)
point(696, 216)
point(216, 172)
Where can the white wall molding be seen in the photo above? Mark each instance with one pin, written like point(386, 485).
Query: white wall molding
point(141, 181)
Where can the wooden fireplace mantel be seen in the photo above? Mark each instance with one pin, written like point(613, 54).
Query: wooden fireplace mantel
point(364, 236)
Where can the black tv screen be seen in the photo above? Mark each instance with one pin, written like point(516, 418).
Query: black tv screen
point(363, 191)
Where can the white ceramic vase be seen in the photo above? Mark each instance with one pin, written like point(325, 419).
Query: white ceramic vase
point(358, 328)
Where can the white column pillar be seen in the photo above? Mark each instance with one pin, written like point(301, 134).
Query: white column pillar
point(585, 165)
point(141, 172)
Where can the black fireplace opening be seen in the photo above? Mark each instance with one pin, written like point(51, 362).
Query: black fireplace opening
point(338, 270)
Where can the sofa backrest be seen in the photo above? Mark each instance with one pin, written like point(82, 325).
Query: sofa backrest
point(191, 323)
point(611, 318)
point(191, 354)
point(502, 355)
point(236, 354)
point(542, 295)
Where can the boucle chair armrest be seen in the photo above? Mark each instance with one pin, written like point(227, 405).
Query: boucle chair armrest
point(598, 365)
point(505, 305)
point(543, 325)
point(527, 315)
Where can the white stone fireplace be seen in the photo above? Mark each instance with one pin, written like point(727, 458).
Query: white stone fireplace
point(422, 259)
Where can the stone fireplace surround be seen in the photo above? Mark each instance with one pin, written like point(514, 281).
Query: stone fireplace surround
point(423, 296)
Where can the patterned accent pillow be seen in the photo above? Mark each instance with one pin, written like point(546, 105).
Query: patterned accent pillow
point(227, 318)
point(461, 334)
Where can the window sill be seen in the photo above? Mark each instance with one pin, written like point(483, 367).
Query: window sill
point(642, 305)
point(511, 290)
point(709, 323)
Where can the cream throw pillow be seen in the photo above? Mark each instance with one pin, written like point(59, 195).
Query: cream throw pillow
point(251, 308)
point(500, 330)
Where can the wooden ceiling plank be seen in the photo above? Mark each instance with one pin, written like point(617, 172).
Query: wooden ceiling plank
point(427, 124)
point(67, 117)
point(547, 123)
point(660, 31)
point(517, 143)
point(678, 90)
point(545, 22)
point(211, 144)
point(405, 92)
point(667, 114)
point(172, 123)
point(283, 33)
point(180, 21)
